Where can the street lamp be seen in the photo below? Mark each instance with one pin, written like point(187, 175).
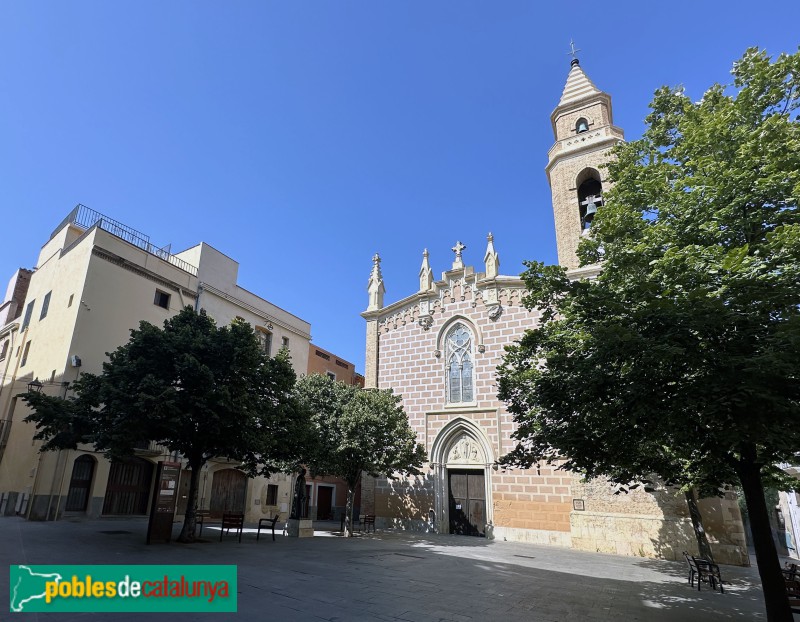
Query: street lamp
point(35, 385)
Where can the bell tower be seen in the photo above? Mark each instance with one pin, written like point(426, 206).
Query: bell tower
point(584, 131)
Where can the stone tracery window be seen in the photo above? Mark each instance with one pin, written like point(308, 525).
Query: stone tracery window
point(459, 367)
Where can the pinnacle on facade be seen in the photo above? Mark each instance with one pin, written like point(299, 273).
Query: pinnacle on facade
point(375, 285)
point(425, 273)
point(491, 258)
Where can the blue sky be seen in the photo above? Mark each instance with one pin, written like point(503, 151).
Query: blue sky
point(302, 137)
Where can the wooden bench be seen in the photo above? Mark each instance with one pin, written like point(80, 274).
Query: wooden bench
point(232, 521)
point(267, 522)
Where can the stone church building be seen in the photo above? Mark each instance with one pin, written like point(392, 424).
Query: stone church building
point(439, 348)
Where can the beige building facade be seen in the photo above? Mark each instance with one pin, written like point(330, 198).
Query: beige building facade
point(95, 280)
point(440, 347)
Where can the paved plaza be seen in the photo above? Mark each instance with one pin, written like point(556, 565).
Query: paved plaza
point(393, 576)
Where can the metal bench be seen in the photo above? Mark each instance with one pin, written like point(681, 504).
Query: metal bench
point(267, 522)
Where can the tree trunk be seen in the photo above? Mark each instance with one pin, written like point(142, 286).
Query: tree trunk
point(190, 520)
point(352, 484)
point(769, 568)
point(697, 522)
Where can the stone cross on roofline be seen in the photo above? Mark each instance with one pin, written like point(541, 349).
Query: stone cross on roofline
point(458, 263)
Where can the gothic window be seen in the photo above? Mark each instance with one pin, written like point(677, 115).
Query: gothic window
point(581, 126)
point(459, 364)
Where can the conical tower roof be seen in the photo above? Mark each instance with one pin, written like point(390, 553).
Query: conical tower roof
point(578, 86)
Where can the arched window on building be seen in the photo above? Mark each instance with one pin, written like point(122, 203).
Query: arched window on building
point(590, 196)
point(460, 385)
point(582, 125)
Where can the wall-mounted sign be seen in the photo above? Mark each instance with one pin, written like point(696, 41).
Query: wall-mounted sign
point(577, 504)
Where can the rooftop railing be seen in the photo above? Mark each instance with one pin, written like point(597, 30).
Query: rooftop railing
point(87, 218)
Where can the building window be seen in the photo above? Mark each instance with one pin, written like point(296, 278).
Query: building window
point(4, 350)
point(459, 364)
point(330, 375)
point(285, 342)
point(25, 354)
point(265, 340)
point(45, 305)
point(28, 313)
point(323, 355)
point(272, 494)
point(341, 364)
point(161, 299)
point(581, 126)
point(71, 296)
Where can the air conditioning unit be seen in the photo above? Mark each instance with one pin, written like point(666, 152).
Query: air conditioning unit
point(75, 360)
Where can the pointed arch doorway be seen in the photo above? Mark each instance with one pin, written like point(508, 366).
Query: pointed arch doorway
point(462, 458)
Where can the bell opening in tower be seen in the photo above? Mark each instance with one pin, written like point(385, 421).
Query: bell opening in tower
point(590, 197)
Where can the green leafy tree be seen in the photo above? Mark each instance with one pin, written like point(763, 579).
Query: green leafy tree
point(195, 388)
point(357, 431)
point(681, 358)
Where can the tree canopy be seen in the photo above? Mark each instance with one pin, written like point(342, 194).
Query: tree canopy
point(681, 357)
point(195, 388)
point(357, 431)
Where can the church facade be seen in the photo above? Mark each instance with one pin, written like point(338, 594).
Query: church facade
point(440, 347)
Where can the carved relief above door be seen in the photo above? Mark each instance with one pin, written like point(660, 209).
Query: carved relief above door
point(466, 450)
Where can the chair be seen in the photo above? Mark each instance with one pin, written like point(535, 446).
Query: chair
point(692, 568)
point(793, 593)
point(232, 521)
point(369, 521)
point(709, 572)
point(267, 522)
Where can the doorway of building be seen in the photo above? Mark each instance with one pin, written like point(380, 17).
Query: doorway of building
point(467, 495)
point(80, 484)
point(228, 492)
point(324, 502)
point(128, 489)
